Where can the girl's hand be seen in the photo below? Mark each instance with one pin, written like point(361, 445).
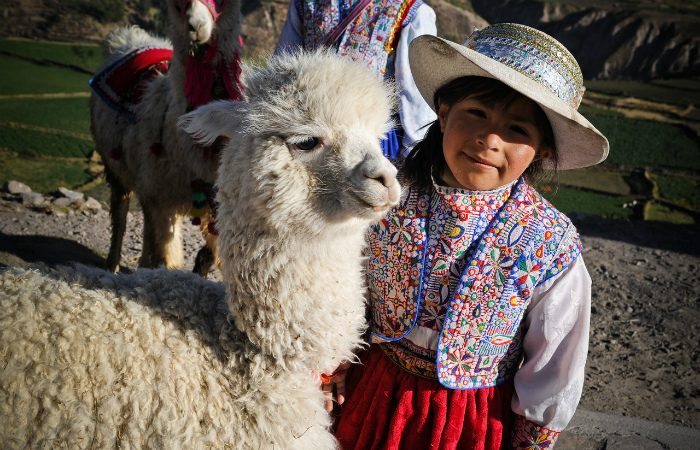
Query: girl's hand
point(335, 380)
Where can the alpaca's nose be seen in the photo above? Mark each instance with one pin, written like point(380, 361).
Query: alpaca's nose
point(382, 171)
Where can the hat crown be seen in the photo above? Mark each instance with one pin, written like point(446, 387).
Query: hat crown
point(534, 54)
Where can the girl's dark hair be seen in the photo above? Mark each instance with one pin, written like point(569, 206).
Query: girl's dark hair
point(427, 157)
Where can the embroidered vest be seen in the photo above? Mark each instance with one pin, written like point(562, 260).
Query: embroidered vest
point(527, 242)
point(370, 37)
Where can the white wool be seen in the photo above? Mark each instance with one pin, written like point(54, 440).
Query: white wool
point(165, 359)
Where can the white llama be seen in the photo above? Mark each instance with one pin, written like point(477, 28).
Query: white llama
point(166, 359)
point(142, 148)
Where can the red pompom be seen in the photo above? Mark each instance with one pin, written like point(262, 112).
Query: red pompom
point(157, 148)
point(115, 153)
point(212, 229)
point(196, 221)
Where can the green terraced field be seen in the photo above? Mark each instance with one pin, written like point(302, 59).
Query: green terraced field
point(28, 143)
point(44, 140)
point(675, 92)
point(43, 175)
point(69, 114)
point(644, 143)
point(21, 77)
point(88, 57)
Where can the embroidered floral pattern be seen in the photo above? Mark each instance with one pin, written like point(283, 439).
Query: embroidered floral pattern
point(456, 218)
point(524, 243)
point(527, 435)
point(370, 37)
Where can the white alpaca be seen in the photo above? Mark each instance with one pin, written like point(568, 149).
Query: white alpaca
point(152, 157)
point(166, 359)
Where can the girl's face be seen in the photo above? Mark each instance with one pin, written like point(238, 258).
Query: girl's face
point(487, 146)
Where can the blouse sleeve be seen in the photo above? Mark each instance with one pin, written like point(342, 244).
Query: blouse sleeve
point(414, 112)
point(291, 36)
point(549, 383)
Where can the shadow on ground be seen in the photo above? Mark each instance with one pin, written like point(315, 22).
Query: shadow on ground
point(658, 235)
point(26, 250)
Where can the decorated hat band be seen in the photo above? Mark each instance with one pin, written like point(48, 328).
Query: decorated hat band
point(533, 54)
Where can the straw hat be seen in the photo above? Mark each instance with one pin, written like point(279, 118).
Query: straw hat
point(529, 61)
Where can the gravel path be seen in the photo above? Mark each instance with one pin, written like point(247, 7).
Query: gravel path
point(644, 355)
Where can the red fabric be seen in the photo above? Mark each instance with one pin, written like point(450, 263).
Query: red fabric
point(390, 409)
point(200, 76)
point(138, 67)
point(123, 83)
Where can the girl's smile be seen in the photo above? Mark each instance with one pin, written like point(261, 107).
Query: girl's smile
point(487, 145)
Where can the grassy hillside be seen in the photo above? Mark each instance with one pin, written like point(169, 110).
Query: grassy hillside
point(44, 117)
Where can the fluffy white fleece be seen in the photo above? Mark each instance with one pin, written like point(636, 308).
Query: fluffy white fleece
point(166, 360)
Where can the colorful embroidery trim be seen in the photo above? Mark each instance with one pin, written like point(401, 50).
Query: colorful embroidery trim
point(526, 242)
point(423, 367)
point(370, 37)
point(527, 435)
point(535, 55)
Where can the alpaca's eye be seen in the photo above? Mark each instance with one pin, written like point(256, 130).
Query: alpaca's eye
point(307, 144)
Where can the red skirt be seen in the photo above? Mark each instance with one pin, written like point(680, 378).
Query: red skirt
point(389, 408)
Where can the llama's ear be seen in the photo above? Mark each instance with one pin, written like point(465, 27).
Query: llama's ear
point(206, 123)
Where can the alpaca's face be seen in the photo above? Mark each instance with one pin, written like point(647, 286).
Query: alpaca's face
point(342, 172)
point(195, 19)
point(324, 119)
point(304, 151)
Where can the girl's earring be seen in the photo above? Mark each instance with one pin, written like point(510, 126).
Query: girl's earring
point(542, 153)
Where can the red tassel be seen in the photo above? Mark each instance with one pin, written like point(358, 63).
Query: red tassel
point(230, 72)
point(157, 148)
point(199, 77)
point(212, 229)
point(115, 153)
point(196, 221)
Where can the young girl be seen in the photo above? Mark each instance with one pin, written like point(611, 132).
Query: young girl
point(376, 32)
point(480, 300)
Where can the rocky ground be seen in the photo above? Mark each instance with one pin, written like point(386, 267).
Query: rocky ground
point(644, 355)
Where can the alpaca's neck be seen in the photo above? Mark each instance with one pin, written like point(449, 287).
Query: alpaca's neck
point(299, 298)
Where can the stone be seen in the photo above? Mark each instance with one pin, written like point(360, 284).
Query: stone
point(93, 204)
point(15, 187)
point(71, 194)
point(62, 202)
point(32, 198)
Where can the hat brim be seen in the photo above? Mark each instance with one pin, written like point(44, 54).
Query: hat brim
point(435, 62)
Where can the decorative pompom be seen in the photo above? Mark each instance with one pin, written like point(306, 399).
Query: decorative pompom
point(157, 148)
point(196, 221)
point(211, 227)
point(115, 153)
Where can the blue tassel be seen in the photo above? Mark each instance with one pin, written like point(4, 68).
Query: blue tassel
point(390, 145)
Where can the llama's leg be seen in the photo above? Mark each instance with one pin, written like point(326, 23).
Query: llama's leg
point(162, 238)
point(203, 262)
point(207, 256)
point(119, 207)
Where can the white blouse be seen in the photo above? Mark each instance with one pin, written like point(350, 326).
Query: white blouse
point(414, 112)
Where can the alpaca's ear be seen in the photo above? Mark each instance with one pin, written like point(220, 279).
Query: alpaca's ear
point(206, 123)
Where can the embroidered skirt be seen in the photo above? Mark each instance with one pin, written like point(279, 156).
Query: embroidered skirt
point(389, 408)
